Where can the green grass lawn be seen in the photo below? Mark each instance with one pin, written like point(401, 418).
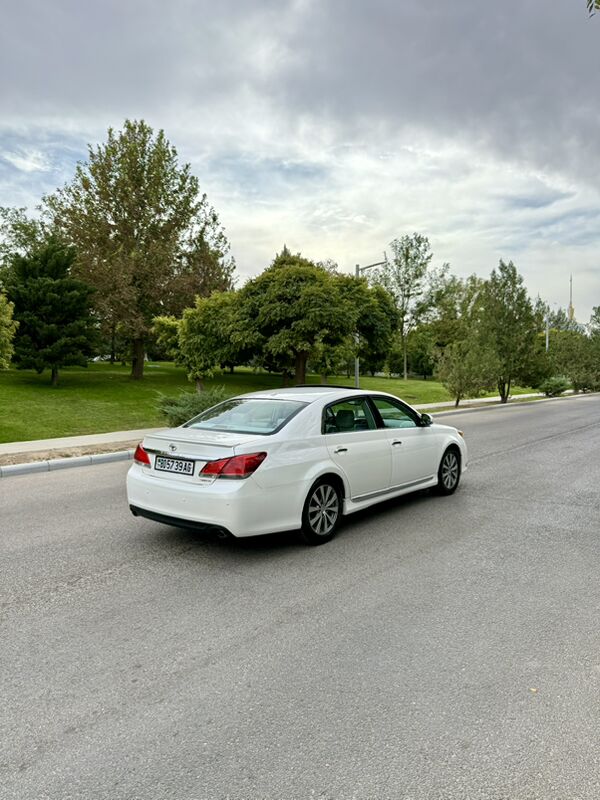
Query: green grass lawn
point(102, 397)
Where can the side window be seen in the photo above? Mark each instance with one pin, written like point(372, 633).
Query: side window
point(349, 415)
point(394, 415)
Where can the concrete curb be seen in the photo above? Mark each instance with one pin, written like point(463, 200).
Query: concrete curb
point(64, 463)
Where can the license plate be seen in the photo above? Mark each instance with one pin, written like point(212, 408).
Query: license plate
point(179, 465)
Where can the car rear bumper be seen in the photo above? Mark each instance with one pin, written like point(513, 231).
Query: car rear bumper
point(239, 507)
point(179, 523)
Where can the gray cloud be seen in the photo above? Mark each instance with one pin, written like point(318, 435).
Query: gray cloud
point(337, 124)
point(516, 76)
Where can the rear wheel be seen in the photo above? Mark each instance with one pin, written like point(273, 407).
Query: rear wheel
point(322, 512)
point(449, 472)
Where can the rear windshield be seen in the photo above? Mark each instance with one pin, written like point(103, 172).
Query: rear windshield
point(252, 415)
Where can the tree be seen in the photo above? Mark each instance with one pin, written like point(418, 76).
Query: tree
point(422, 351)
point(165, 330)
point(8, 327)
point(205, 336)
point(53, 309)
point(377, 322)
point(455, 310)
point(408, 279)
point(509, 329)
point(572, 354)
point(146, 239)
point(467, 369)
point(593, 6)
point(293, 307)
point(19, 235)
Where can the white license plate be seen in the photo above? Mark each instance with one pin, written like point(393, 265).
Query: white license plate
point(179, 465)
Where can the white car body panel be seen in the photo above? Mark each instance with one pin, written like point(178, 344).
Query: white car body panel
point(364, 457)
point(370, 467)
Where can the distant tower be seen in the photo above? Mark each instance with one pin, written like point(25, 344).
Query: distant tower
point(571, 311)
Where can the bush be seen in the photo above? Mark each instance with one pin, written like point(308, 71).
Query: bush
point(180, 409)
point(553, 387)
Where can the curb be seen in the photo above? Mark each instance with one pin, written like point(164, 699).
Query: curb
point(64, 463)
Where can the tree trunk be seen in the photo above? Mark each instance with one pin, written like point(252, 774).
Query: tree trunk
point(54, 376)
point(324, 380)
point(503, 391)
point(457, 401)
point(199, 385)
point(231, 369)
point(300, 368)
point(137, 361)
point(405, 354)
point(112, 344)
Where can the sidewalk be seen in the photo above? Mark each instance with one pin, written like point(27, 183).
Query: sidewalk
point(477, 401)
point(68, 442)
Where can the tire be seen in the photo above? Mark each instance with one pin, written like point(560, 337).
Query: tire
point(449, 472)
point(322, 512)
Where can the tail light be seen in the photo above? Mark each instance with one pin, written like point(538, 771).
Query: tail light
point(235, 467)
point(141, 456)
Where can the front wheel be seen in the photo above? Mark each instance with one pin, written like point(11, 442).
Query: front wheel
point(449, 472)
point(322, 513)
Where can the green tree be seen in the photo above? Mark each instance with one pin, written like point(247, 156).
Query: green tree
point(377, 323)
point(8, 327)
point(205, 337)
point(53, 309)
point(146, 238)
point(293, 307)
point(467, 369)
point(593, 6)
point(455, 310)
point(422, 351)
point(165, 330)
point(19, 234)
point(408, 278)
point(572, 354)
point(510, 330)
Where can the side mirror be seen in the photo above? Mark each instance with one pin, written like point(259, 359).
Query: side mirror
point(426, 420)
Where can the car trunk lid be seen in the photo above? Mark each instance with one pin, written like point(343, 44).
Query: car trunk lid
point(168, 450)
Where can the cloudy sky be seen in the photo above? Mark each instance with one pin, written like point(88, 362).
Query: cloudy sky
point(333, 125)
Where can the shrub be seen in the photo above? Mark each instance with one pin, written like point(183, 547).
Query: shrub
point(553, 387)
point(180, 409)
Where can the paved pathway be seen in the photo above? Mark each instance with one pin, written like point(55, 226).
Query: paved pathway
point(117, 437)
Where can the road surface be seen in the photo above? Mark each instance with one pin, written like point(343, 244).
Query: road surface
point(437, 648)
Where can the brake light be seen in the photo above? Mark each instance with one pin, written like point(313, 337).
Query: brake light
point(141, 456)
point(234, 467)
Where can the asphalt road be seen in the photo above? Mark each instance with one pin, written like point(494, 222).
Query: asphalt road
point(437, 648)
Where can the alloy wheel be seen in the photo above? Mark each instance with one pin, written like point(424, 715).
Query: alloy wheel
point(323, 509)
point(449, 470)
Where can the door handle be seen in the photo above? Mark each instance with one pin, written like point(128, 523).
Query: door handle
point(396, 441)
point(341, 450)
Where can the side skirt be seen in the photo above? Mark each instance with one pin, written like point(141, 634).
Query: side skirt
point(364, 501)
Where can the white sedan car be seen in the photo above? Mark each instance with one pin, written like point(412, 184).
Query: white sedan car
point(291, 459)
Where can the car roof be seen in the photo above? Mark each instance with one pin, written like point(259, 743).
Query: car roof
point(309, 394)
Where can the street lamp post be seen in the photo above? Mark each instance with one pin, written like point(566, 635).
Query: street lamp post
point(358, 270)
